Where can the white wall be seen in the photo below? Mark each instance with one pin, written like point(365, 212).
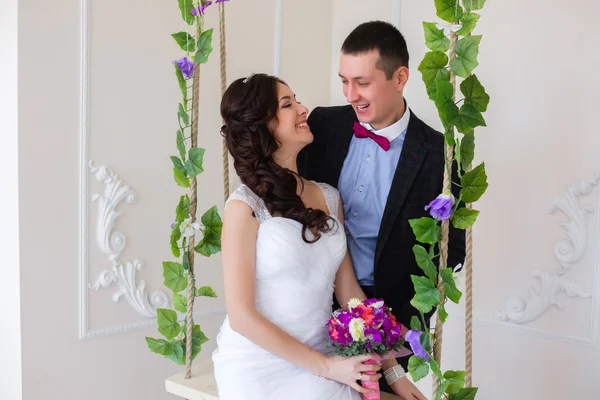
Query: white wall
point(541, 138)
point(10, 334)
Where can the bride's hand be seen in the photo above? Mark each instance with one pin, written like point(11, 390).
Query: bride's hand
point(349, 370)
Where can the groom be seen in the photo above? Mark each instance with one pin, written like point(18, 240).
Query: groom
point(386, 163)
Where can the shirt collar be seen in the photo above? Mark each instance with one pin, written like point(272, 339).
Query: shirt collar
point(393, 131)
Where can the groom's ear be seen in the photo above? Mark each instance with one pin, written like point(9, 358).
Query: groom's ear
point(401, 77)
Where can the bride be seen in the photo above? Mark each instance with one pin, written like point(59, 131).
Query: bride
point(284, 256)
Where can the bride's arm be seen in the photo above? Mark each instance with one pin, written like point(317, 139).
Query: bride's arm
point(239, 235)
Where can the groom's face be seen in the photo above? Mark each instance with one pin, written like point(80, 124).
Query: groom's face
point(376, 99)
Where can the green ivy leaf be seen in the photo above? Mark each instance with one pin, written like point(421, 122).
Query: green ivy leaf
point(415, 323)
point(425, 340)
point(181, 144)
point(465, 61)
point(435, 368)
point(417, 368)
point(426, 294)
point(475, 94)
point(443, 98)
point(181, 178)
point(433, 67)
point(449, 135)
point(464, 394)
point(464, 119)
point(193, 165)
point(473, 4)
point(198, 339)
point(448, 10)
point(167, 323)
point(425, 262)
point(205, 291)
point(464, 218)
point(474, 184)
point(204, 46)
point(442, 313)
point(183, 208)
point(467, 150)
point(211, 242)
point(173, 274)
point(159, 346)
point(182, 84)
point(186, 260)
point(186, 7)
point(440, 391)
point(435, 38)
point(426, 230)
point(183, 116)
point(175, 236)
point(456, 381)
point(179, 303)
point(185, 41)
point(468, 21)
point(178, 354)
point(450, 289)
point(177, 163)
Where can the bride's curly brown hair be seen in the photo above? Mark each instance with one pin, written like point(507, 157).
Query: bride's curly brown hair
point(247, 107)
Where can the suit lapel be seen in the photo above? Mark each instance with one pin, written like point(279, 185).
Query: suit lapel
point(412, 156)
point(338, 146)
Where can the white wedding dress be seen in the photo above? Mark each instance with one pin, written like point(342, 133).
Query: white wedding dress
point(294, 290)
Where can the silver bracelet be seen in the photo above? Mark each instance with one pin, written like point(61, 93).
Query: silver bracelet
point(394, 373)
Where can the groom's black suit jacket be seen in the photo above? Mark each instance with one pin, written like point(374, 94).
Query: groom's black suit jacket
point(418, 180)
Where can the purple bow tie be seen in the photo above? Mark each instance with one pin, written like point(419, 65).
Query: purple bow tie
point(361, 132)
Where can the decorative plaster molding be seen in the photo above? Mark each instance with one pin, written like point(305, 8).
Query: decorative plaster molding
point(567, 251)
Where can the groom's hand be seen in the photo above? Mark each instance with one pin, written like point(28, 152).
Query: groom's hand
point(406, 390)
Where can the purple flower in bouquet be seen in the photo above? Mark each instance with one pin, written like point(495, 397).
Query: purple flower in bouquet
point(186, 66)
point(441, 206)
point(413, 337)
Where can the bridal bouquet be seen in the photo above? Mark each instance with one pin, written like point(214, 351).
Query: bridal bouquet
point(364, 327)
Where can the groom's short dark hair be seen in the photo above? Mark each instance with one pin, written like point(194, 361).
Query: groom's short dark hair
point(381, 36)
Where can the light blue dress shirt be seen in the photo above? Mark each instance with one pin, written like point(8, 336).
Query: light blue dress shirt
point(364, 185)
